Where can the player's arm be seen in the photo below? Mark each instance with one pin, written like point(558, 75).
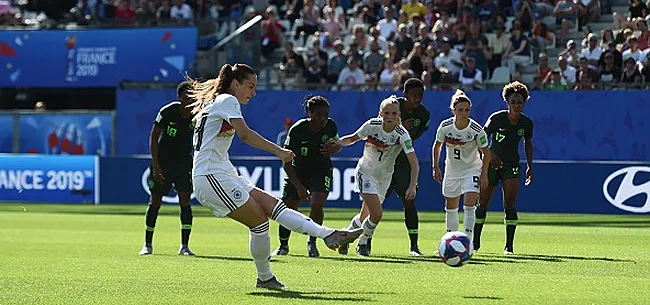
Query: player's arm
point(332, 146)
point(156, 130)
point(528, 148)
point(435, 154)
point(407, 146)
point(490, 128)
point(350, 139)
point(291, 143)
point(252, 138)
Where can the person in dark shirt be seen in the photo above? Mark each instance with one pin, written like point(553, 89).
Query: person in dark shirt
point(171, 163)
point(309, 175)
point(506, 128)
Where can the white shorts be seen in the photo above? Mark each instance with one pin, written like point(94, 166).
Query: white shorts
point(366, 184)
point(222, 193)
point(453, 187)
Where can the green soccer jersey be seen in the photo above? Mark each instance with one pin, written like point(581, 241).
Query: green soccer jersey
point(506, 136)
point(175, 142)
point(307, 145)
point(420, 117)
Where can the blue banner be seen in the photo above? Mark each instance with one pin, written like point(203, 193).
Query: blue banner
point(576, 187)
point(7, 135)
point(94, 58)
point(54, 179)
point(73, 134)
point(564, 129)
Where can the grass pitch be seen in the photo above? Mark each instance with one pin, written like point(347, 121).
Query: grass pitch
point(67, 254)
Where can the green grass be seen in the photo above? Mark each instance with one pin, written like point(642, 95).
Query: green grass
point(65, 254)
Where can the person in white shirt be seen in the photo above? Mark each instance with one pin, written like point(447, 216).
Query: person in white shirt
point(219, 187)
point(385, 138)
point(592, 52)
point(448, 61)
point(465, 174)
point(388, 26)
point(568, 71)
point(181, 11)
point(351, 75)
point(470, 77)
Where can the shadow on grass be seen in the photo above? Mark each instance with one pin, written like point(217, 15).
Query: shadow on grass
point(234, 258)
point(319, 295)
point(371, 259)
point(547, 258)
point(483, 298)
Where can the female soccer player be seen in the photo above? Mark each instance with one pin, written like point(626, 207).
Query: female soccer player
point(385, 138)
point(309, 176)
point(506, 128)
point(218, 186)
point(464, 171)
point(171, 163)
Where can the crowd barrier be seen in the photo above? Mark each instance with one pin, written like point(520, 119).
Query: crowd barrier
point(54, 133)
point(94, 57)
point(558, 187)
point(575, 125)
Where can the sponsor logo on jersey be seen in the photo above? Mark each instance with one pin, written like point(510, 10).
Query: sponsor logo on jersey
point(483, 140)
point(409, 144)
point(627, 190)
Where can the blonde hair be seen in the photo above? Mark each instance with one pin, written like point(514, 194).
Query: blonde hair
point(391, 100)
point(458, 97)
point(201, 92)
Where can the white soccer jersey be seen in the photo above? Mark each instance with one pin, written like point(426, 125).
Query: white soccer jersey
point(462, 146)
point(382, 148)
point(213, 136)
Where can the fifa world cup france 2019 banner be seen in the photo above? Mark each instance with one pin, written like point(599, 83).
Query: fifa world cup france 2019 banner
point(563, 187)
point(94, 58)
point(574, 125)
point(50, 179)
point(73, 134)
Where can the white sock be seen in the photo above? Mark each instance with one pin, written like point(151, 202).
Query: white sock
point(469, 219)
point(260, 247)
point(297, 222)
point(451, 219)
point(368, 229)
point(355, 223)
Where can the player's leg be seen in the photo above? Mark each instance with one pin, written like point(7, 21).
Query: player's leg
point(183, 185)
point(316, 213)
point(291, 199)
point(510, 187)
point(298, 222)
point(485, 197)
point(471, 188)
point(355, 223)
point(451, 190)
point(402, 178)
point(372, 203)
point(157, 190)
point(227, 196)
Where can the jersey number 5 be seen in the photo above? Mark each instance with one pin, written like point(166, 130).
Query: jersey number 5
point(199, 130)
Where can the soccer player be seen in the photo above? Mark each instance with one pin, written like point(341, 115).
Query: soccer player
point(171, 163)
point(309, 176)
point(464, 170)
point(385, 138)
point(506, 128)
point(415, 118)
point(218, 186)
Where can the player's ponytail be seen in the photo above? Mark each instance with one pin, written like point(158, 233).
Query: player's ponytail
point(458, 97)
point(201, 92)
point(225, 78)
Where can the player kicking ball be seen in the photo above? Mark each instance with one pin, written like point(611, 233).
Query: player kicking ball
point(309, 175)
point(221, 189)
point(506, 128)
point(385, 138)
point(171, 163)
point(465, 174)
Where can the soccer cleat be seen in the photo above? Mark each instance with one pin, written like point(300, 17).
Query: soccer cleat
point(415, 251)
point(343, 249)
point(363, 250)
point(477, 245)
point(271, 283)
point(185, 250)
point(340, 237)
point(508, 251)
point(281, 250)
point(312, 251)
point(147, 249)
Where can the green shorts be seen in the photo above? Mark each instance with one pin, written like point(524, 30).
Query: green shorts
point(506, 172)
point(320, 183)
point(400, 181)
point(182, 181)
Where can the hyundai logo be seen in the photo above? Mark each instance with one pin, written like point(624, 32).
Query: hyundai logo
point(627, 189)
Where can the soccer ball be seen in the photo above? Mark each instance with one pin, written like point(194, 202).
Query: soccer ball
point(455, 248)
